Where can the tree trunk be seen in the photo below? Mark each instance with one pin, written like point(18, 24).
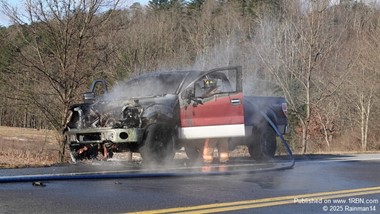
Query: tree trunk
point(304, 139)
point(362, 126)
point(62, 140)
point(327, 135)
point(367, 112)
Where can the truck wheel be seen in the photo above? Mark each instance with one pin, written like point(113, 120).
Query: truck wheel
point(158, 145)
point(264, 144)
point(194, 150)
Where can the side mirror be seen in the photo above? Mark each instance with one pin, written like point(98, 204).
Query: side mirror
point(197, 101)
point(89, 97)
point(189, 95)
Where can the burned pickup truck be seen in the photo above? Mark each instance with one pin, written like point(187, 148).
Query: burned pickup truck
point(157, 113)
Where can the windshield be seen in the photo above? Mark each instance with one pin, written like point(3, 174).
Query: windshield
point(149, 85)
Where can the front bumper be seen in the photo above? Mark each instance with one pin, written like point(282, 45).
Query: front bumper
point(102, 135)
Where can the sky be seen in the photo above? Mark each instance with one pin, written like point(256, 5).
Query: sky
point(4, 21)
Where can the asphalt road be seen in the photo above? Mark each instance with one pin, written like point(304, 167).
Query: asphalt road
point(316, 184)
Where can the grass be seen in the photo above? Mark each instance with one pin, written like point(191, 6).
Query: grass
point(22, 147)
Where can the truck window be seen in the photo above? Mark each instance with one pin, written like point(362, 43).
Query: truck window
point(216, 83)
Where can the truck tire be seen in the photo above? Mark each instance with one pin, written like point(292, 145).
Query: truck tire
point(264, 144)
point(158, 144)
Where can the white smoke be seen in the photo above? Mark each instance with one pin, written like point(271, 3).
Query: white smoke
point(234, 52)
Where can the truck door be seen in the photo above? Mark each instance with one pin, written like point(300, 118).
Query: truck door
point(212, 105)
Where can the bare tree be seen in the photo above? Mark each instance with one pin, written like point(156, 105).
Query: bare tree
point(326, 115)
point(322, 55)
point(363, 84)
point(60, 52)
point(295, 51)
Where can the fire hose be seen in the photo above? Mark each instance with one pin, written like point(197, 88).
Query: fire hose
point(153, 174)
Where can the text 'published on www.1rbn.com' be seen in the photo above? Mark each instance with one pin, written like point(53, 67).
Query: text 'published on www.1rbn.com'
point(342, 205)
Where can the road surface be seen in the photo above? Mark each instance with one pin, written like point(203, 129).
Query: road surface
point(316, 184)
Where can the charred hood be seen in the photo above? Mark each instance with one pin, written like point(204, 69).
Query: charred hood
point(128, 113)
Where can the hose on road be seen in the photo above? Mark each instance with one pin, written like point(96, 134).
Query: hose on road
point(283, 141)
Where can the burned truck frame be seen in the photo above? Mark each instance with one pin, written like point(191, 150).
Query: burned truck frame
point(157, 113)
